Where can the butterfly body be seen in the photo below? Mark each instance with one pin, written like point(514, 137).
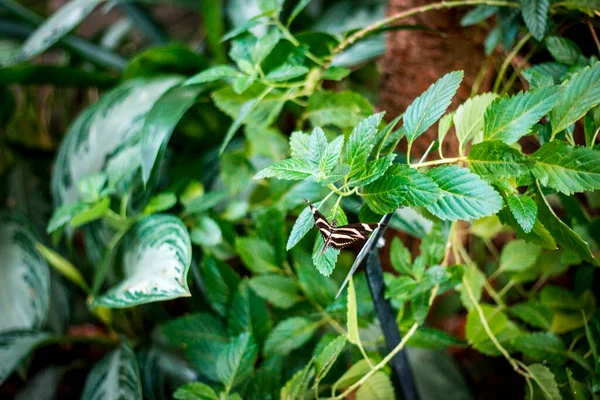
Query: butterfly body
point(339, 237)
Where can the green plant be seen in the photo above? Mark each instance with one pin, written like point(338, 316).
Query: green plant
point(156, 197)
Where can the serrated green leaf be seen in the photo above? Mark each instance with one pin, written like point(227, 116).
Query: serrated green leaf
point(352, 375)
point(421, 190)
point(289, 335)
point(518, 256)
point(222, 281)
point(25, 286)
point(400, 257)
point(248, 312)
point(538, 235)
point(324, 262)
point(299, 142)
point(302, 226)
point(286, 72)
point(325, 359)
point(235, 361)
point(444, 126)
point(212, 74)
point(317, 145)
point(195, 391)
point(534, 313)
point(361, 142)
point(281, 291)
point(524, 209)
point(298, 384)
point(386, 194)
point(468, 118)
point(544, 347)
point(353, 335)
point(377, 387)
point(258, 255)
point(289, 169)
point(568, 169)
point(433, 339)
point(494, 159)
point(343, 109)
point(156, 258)
point(565, 236)
point(431, 105)
point(161, 122)
point(15, 346)
point(510, 118)
point(331, 155)
point(500, 326)
point(577, 96)
point(372, 171)
point(545, 381)
point(535, 15)
point(464, 195)
point(116, 375)
point(478, 14)
point(563, 50)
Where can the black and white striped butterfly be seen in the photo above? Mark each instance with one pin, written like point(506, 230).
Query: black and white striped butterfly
point(339, 237)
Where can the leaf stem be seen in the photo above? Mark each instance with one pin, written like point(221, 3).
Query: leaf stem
point(350, 40)
point(438, 162)
point(381, 364)
point(508, 60)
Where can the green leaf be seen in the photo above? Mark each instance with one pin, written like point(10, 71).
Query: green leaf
point(212, 74)
point(298, 384)
point(260, 114)
point(400, 257)
point(314, 285)
point(468, 118)
point(222, 281)
point(115, 376)
point(302, 226)
point(524, 209)
point(90, 187)
point(578, 95)
point(372, 171)
point(431, 105)
point(206, 232)
point(286, 72)
point(289, 335)
point(352, 375)
point(478, 14)
point(195, 391)
point(235, 362)
point(565, 236)
point(161, 122)
point(168, 59)
point(421, 190)
point(386, 194)
point(324, 262)
point(325, 359)
point(94, 212)
point(204, 202)
point(156, 258)
point(64, 214)
point(563, 50)
point(300, 5)
point(534, 313)
point(545, 381)
point(535, 15)
point(290, 169)
point(202, 336)
point(299, 143)
point(518, 256)
point(353, 334)
point(538, 235)
point(444, 126)
point(248, 312)
point(25, 286)
point(494, 159)
point(258, 256)
point(377, 387)
point(510, 118)
point(63, 266)
point(331, 156)
point(433, 339)
point(343, 109)
point(160, 202)
point(106, 133)
point(498, 322)
point(15, 346)
point(464, 195)
point(279, 290)
point(361, 142)
point(474, 278)
point(568, 169)
point(336, 73)
point(544, 347)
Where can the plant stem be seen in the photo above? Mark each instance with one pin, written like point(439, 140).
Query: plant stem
point(508, 59)
point(350, 40)
point(438, 162)
point(288, 35)
point(593, 32)
point(382, 364)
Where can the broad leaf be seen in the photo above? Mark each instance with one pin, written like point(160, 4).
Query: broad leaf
point(352, 317)
point(331, 156)
point(279, 290)
point(579, 94)
point(156, 258)
point(503, 329)
point(302, 226)
point(518, 256)
point(116, 376)
point(326, 357)
point(510, 118)
point(195, 391)
point(421, 190)
point(248, 313)
point(261, 114)
point(538, 235)
point(361, 142)
point(324, 262)
point(434, 339)
point(464, 195)
point(289, 335)
point(535, 15)
point(235, 362)
point(545, 347)
point(568, 169)
point(400, 257)
point(563, 50)
point(386, 194)
point(290, 169)
point(377, 387)
point(162, 120)
point(343, 109)
point(286, 72)
point(372, 171)
point(298, 384)
point(494, 159)
point(213, 74)
point(468, 118)
point(257, 254)
point(478, 14)
point(15, 346)
point(222, 281)
point(352, 375)
point(545, 381)
point(524, 209)
point(104, 134)
point(431, 105)
point(534, 313)
point(25, 283)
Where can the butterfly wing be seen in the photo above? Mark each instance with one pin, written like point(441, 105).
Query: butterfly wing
point(346, 235)
point(321, 222)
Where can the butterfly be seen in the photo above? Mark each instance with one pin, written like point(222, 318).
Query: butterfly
point(339, 237)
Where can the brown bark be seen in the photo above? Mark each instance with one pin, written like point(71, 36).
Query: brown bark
point(415, 59)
